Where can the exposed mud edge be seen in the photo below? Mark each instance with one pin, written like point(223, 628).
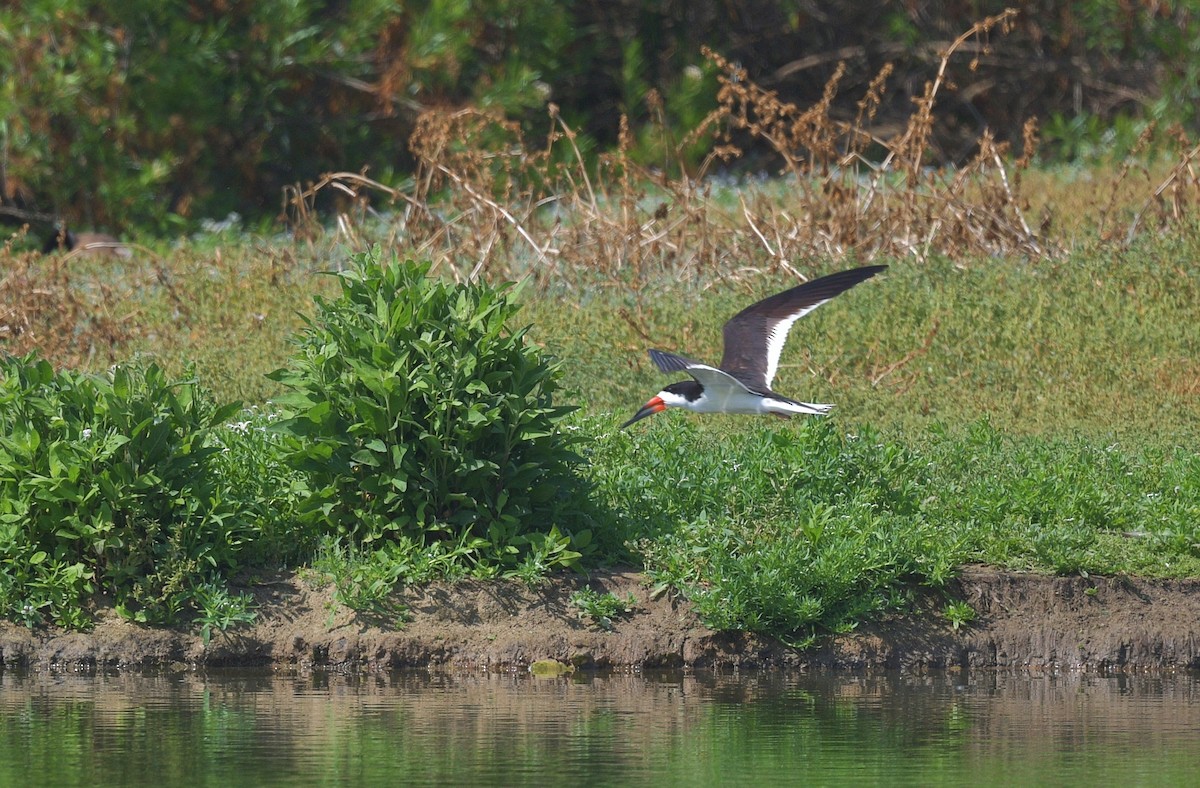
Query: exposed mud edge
point(1024, 621)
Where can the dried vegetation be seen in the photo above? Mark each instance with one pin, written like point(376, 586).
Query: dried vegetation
point(487, 200)
point(44, 306)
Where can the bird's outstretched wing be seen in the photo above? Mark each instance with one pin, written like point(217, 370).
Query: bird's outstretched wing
point(669, 362)
point(755, 336)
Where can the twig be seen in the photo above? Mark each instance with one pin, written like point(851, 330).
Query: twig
point(1179, 168)
point(750, 220)
point(636, 325)
point(1029, 238)
point(912, 354)
point(495, 207)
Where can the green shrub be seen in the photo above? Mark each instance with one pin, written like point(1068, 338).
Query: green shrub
point(250, 462)
point(107, 485)
point(416, 413)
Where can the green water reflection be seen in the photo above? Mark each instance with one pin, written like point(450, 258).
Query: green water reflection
point(239, 728)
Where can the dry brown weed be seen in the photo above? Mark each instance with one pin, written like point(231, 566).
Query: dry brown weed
point(486, 200)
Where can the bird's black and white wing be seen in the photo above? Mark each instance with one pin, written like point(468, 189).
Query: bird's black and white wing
point(754, 337)
point(669, 362)
point(722, 391)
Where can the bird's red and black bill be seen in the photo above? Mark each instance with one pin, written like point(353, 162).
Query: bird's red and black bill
point(655, 405)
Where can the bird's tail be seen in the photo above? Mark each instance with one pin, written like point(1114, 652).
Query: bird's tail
point(791, 407)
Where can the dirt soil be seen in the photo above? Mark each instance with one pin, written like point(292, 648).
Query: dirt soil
point(1024, 620)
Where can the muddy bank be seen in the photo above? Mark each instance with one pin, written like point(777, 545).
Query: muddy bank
point(1023, 621)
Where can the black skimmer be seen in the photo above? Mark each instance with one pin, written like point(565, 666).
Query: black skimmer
point(754, 339)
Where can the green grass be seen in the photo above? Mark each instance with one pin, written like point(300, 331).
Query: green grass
point(808, 527)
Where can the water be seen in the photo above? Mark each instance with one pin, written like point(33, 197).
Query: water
point(260, 729)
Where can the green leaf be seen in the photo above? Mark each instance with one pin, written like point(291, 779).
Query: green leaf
point(365, 457)
point(224, 412)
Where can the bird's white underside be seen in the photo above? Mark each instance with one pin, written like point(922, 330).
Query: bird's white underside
point(724, 393)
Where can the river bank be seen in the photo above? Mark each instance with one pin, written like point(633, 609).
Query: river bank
point(1023, 620)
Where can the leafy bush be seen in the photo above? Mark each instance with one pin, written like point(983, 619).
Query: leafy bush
point(416, 413)
point(107, 485)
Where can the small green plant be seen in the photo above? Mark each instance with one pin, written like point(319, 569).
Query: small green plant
point(545, 552)
point(959, 614)
point(417, 414)
point(217, 609)
point(600, 608)
point(365, 580)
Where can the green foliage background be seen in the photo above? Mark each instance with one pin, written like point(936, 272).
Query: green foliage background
point(151, 114)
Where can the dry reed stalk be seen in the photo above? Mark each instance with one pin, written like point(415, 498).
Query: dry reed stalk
point(1139, 147)
point(1176, 184)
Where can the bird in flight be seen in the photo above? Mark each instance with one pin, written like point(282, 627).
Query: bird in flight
point(754, 340)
